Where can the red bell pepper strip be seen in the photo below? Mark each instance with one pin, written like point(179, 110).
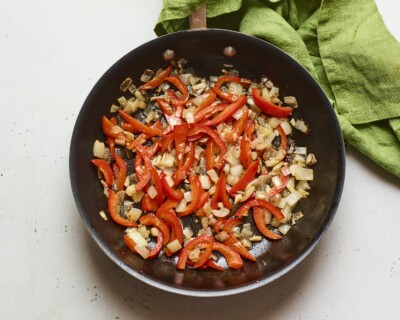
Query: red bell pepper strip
point(128, 127)
point(148, 204)
point(247, 177)
point(157, 80)
point(284, 181)
point(170, 192)
point(208, 112)
point(282, 135)
point(232, 257)
point(203, 200)
point(111, 130)
point(226, 95)
point(268, 107)
point(259, 220)
point(181, 173)
point(113, 205)
point(210, 155)
point(238, 247)
point(105, 169)
point(152, 220)
point(220, 193)
point(245, 151)
point(176, 228)
point(150, 132)
point(211, 264)
point(157, 185)
point(166, 206)
point(111, 145)
point(165, 106)
point(153, 252)
point(206, 102)
point(196, 188)
point(176, 103)
point(167, 141)
point(238, 128)
point(121, 172)
point(228, 112)
point(244, 209)
point(199, 128)
point(180, 86)
point(205, 240)
point(145, 177)
point(180, 142)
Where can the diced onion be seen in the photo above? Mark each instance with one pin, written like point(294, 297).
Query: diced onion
point(103, 215)
point(304, 174)
point(284, 228)
point(205, 182)
point(189, 117)
point(152, 192)
point(174, 246)
point(221, 213)
point(286, 127)
point(133, 214)
point(143, 251)
point(187, 232)
point(222, 236)
point(204, 222)
point(181, 206)
point(213, 175)
point(293, 198)
point(154, 231)
point(301, 126)
point(188, 196)
point(236, 171)
point(98, 149)
point(134, 234)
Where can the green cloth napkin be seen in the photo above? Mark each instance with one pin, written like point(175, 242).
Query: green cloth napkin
point(343, 44)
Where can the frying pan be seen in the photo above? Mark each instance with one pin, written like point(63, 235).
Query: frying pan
point(203, 49)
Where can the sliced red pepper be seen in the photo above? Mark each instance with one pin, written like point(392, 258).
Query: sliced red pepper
point(157, 80)
point(237, 128)
point(210, 98)
point(205, 241)
point(211, 264)
point(111, 130)
point(208, 112)
point(284, 181)
point(228, 112)
point(180, 86)
point(154, 148)
point(268, 107)
point(244, 209)
point(149, 131)
point(166, 142)
point(259, 220)
point(165, 106)
point(111, 145)
point(232, 257)
point(145, 177)
point(282, 135)
point(166, 206)
point(203, 200)
point(121, 174)
point(210, 154)
point(245, 151)
point(176, 103)
point(238, 247)
point(199, 128)
point(220, 193)
point(231, 223)
point(105, 169)
point(247, 177)
point(180, 142)
point(153, 252)
point(196, 188)
point(113, 206)
point(176, 228)
point(128, 127)
point(148, 204)
point(152, 220)
point(226, 95)
point(157, 185)
point(170, 192)
point(181, 173)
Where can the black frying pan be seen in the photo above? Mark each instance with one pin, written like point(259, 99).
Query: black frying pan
point(203, 50)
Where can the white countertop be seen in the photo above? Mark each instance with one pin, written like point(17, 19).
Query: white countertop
point(52, 53)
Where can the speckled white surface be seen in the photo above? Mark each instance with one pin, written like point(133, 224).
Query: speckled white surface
point(52, 53)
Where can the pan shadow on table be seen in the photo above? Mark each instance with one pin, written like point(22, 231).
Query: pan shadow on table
point(132, 297)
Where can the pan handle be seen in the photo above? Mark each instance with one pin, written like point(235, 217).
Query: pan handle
point(198, 19)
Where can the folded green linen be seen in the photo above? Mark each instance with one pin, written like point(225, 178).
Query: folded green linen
point(343, 44)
